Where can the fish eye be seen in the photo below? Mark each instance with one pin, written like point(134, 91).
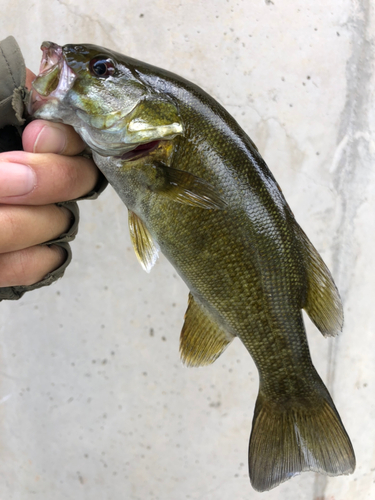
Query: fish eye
point(102, 67)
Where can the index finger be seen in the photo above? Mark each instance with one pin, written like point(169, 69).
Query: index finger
point(55, 177)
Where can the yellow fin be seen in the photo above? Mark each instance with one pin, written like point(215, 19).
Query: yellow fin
point(202, 340)
point(186, 188)
point(323, 303)
point(145, 249)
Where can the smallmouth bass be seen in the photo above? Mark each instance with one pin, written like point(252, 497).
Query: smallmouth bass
point(198, 190)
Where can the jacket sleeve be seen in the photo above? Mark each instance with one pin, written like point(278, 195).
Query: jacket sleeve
point(12, 95)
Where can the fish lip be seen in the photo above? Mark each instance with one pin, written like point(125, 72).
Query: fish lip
point(52, 55)
point(53, 58)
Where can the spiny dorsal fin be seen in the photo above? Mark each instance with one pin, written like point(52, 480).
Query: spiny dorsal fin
point(145, 249)
point(323, 303)
point(202, 340)
point(186, 188)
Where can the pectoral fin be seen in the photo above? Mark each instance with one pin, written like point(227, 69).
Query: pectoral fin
point(323, 303)
point(202, 339)
point(185, 188)
point(145, 249)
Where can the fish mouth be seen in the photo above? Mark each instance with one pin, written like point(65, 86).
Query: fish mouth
point(140, 151)
point(54, 80)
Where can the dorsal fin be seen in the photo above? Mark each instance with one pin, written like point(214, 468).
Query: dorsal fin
point(323, 303)
point(145, 249)
point(202, 340)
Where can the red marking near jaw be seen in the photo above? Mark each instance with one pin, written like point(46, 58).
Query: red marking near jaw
point(141, 150)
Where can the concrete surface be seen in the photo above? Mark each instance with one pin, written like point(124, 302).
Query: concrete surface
point(95, 403)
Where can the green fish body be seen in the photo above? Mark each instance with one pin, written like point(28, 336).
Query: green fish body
point(198, 190)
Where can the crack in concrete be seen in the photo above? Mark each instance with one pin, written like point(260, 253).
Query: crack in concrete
point(351, 174)
point(106, 27)
point(353, 151)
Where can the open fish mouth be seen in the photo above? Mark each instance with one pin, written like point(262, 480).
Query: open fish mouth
point(55, 77)
point(140, 151)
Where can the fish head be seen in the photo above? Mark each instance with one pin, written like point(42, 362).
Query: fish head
point(103, 96)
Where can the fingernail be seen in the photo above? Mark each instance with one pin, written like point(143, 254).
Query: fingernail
point(16, 179)
point(51, 139)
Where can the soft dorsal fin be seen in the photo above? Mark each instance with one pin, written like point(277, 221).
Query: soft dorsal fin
point(202, 340)
point(323, 303)
point(145, 249)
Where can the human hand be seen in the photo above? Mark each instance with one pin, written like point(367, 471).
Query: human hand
point(31, 182)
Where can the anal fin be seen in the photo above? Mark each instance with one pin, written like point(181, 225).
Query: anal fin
point(202, 339)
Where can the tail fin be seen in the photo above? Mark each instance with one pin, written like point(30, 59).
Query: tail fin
point(301, 436)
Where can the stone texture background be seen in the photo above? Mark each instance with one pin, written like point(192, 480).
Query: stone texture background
point(95, 403)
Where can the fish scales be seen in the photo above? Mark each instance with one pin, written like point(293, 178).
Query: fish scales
point(252, 247)
point(198, 190)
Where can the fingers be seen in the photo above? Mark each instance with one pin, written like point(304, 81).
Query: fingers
point(29, 266)
point(31, 182)
point(45, 137)
point(23, 226)
point(49, 175)
point(41, 179)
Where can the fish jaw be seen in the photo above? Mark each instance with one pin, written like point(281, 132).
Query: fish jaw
point(66, 91)
point(53, 83)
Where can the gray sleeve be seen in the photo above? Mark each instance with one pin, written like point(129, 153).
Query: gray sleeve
point(12, 94)
point(12, 83)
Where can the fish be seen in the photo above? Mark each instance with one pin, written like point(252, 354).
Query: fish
point(198, 190)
